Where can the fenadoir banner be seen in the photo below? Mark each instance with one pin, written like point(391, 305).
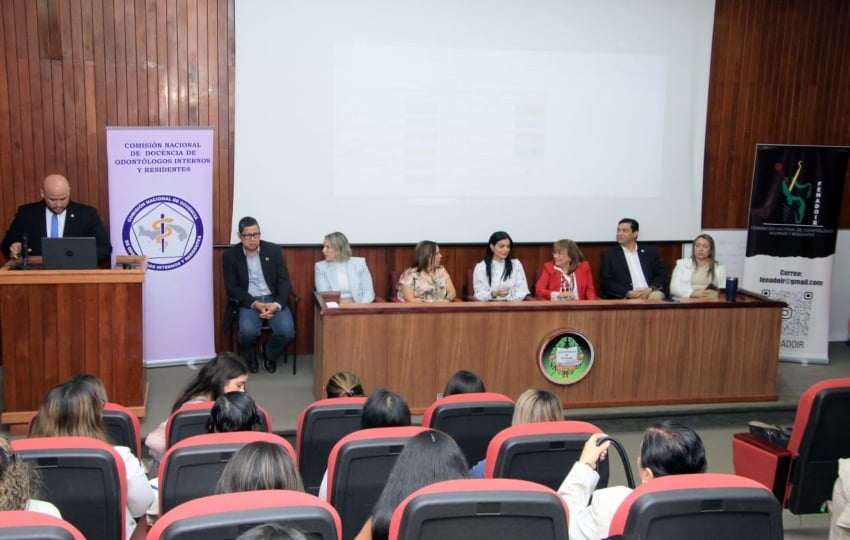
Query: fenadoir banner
point(791, 240)
point(160, 206)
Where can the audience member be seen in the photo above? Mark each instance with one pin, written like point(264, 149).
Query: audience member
point(667, 448)
point(55, 215)
point(94, 384)
point(259, 466)
point(234, 411)
point(19, 484)
point(532, 406)
point(429, 457)
point(426, 280)
point(463, 382)
point(630, 270)
point(73, 410)
point(383, 408)
point(498, 277)
point(567, 276)
point(700, 275)
point(342, 272)
point(255, 276)
point(344, 384)
point(272, 531)
point(225, 373)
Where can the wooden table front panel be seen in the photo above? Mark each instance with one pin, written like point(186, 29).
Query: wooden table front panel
point(644, 353)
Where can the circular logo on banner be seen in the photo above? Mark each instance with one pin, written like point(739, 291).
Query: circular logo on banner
point(165, 229)
point(566, 357)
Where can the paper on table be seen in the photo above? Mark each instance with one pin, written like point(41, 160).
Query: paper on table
point(331, 304)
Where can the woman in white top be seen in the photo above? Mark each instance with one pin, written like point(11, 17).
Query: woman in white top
point(498, 277)
point(342, 272)
point(73, 410)
point(701, 274)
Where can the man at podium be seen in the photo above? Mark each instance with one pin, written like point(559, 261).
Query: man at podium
point(56, 215)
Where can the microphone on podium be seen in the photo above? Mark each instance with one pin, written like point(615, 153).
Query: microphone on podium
point(25, 251)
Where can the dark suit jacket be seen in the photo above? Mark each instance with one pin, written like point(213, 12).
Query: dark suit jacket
point(80, 220)
point(235, 271)
point(616, 279)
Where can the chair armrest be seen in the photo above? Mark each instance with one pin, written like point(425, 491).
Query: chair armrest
point(762, 461)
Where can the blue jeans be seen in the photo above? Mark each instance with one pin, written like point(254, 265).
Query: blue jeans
point(250, 326)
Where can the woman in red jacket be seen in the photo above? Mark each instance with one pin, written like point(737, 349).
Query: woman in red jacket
point(568, 276)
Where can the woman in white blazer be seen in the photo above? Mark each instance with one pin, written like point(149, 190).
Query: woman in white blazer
point(342, 272)
point(701, 275)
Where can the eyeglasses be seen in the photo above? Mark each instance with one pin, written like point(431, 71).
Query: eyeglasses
point(250, 236)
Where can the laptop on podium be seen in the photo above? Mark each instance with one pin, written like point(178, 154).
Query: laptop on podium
point(69, 253)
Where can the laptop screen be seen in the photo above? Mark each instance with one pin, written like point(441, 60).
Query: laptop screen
point(69, 253)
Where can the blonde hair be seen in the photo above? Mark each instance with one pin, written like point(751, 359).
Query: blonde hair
point(344, 384)
point(537, 406)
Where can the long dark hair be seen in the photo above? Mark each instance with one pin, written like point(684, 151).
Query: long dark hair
point(212, 378)
point(488, 257)
point(429, 457)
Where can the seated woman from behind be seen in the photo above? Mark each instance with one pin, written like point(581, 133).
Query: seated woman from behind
point(429, 457)
point(701, 274)
point(234, 411)
point(531, 406)
point(567, 276)
point(384, 408)
point(19, 484)
point(258, 466)
point(72, 409)
point(463, 382)
point(498, 277)
point(344, 384)
point(342, 272)
point(426, 280)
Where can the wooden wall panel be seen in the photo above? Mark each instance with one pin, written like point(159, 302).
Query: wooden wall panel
point(778, 75)
point(69, 68)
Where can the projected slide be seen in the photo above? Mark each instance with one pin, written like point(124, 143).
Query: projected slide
point(396, 121)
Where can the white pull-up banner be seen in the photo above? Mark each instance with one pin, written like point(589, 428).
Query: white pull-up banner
point(791, 237)
point(160, 206)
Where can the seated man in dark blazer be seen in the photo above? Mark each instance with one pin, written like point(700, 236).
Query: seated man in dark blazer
point(255, 275)
point(55, 215)
point(632, 271)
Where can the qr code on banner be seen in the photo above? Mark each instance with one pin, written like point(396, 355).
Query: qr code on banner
point(795, 317)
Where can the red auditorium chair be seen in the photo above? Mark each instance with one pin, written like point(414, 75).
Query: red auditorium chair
point(321, 425)
point(191, 419)
point(191, 468)
point(358, 467)
point(481, 509)
point(84, 478)
point(471, 420)
point(22, 525)
point(801, 476)
point(542, 452)
point(226, 516)
point(704, 506)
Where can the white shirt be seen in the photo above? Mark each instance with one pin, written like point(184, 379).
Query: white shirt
point(635, 269)
point(342, 279)
point(516, 282)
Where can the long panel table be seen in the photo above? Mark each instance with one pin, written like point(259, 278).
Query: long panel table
point(646, 352)
point(58, 323)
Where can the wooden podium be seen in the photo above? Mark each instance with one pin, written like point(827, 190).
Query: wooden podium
point(58, 323)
